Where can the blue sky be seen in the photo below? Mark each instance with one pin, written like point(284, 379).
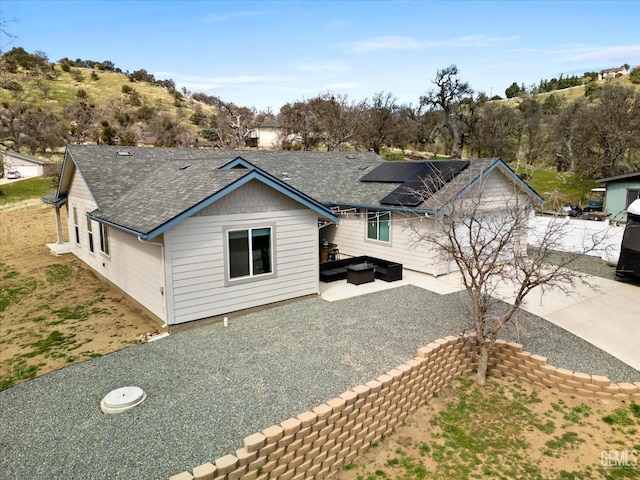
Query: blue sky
point(268, 53)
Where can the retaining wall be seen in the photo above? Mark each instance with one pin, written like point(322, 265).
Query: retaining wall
point(317, 443)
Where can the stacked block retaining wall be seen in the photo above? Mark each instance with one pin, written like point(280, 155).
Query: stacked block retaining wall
point(317, 443)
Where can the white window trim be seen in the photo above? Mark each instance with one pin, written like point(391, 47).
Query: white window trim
point(228, 281)
point(76, 226)
point(104, 240)
point(92, 243)
point(366, 227)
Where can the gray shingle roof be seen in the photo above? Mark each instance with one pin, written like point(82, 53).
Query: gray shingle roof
point(152, 186)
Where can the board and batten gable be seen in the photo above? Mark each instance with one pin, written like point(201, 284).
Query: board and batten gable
point(134, 267)
point(195, 255)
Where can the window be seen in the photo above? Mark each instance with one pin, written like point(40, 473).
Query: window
point(76, 226)
point(632, 194)
point(378, 226)
point(249, 252)
point(90, 233)
point(104, 239)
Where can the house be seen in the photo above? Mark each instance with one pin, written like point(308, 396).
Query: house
point(621, 191)
point(613, 72)
point(27, 166)
point(264, 135)
point(191, 233)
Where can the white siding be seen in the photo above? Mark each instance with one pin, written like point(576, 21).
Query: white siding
point(350, 234)
point(133, 266)
point(196, 264)
point(351, 238)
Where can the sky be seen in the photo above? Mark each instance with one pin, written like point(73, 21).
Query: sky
point(265, 54)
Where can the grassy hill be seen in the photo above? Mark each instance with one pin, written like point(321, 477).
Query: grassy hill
point(61, 88)
point(112, 97)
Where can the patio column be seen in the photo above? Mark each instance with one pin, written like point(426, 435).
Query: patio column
point(59, 226)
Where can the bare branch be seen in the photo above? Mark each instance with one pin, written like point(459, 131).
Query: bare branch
point(484, 232)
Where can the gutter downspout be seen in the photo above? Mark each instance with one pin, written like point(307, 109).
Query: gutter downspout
point(164, 287)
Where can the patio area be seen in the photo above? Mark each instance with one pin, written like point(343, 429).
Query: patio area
point(604, 315)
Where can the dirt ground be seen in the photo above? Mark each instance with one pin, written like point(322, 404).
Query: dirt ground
point(507, 430)
point(53, 310)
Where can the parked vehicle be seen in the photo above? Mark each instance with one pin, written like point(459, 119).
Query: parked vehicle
point(596, 200)
point(629, 262)
point(13, 174)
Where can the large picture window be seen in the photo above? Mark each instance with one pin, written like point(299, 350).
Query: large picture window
point(250, 252)
point(378, 224)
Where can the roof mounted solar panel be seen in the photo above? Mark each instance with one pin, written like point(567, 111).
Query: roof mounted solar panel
point(392, 172)
point(424, 182)
point(406, 195)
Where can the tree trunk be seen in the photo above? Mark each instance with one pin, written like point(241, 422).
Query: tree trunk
point(483, 365)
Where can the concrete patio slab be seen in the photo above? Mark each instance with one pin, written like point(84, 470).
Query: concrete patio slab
point(60, 248)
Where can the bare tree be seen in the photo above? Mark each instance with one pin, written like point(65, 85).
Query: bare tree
point(447, 97)
point(562, 135)
point(299, 125)
point(24, 126)
point(496, 129)
point(607, 131)
point(337, 119)
point(4, 31)
point(381, 117)
point(83, 118)
point(486, 236)
point(534, 144)
point(234, 124)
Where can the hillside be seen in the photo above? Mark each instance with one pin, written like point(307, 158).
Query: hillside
point(60, 88)
point(58, 103)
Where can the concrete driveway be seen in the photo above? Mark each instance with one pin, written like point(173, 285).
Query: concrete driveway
point(606, 316)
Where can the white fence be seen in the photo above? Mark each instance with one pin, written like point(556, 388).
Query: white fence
point(596, 238)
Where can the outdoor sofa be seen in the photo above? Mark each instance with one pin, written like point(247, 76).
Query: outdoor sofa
point(336, 269)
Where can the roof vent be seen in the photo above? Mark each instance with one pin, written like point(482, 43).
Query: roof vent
point(351, 156)
point(123, 153)
point(185, 166)
point(285, 176)
point(363, 167)
point(122, 399)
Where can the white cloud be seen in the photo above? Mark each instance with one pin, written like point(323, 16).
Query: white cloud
point(387, 42)
point(215, 18)
point(343, 86)
point(332, 67)
point(587, 56)
point(204, 83)
point(393, 42)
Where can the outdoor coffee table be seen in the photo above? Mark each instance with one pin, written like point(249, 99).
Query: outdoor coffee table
point(361, 273)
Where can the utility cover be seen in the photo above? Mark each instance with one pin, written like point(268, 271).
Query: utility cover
point(122, 399)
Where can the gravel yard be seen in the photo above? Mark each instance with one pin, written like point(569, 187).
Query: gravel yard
point(209, 387)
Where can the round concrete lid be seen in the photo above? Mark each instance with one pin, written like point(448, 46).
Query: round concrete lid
point(122, 399)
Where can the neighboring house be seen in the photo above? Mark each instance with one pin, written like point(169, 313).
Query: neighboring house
point(612, 73)
point(264, 135)
point(192, 233)
point(621, 191)
point(27, 166)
